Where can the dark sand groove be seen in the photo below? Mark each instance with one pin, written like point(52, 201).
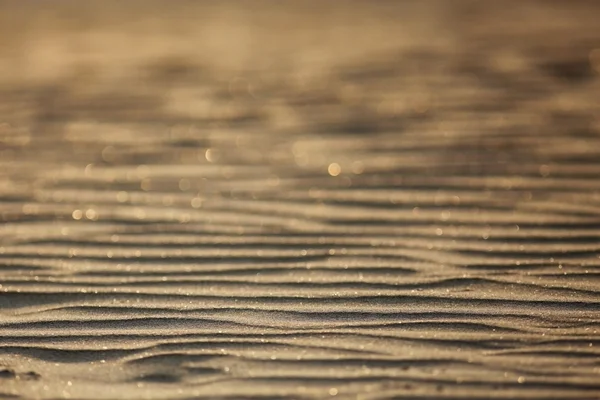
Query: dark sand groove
point(303, 200)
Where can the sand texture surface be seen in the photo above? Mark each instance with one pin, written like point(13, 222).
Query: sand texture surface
point(299, 199)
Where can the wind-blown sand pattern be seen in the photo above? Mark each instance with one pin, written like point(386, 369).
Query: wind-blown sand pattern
point(299, 200)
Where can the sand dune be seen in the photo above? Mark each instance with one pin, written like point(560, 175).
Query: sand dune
point(299, 200)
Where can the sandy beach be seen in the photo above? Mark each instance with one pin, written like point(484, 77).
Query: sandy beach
point(299, 200)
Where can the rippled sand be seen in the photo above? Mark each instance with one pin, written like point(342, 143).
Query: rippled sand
point(299, 200)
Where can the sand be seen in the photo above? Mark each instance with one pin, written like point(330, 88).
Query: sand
point(268, 200)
